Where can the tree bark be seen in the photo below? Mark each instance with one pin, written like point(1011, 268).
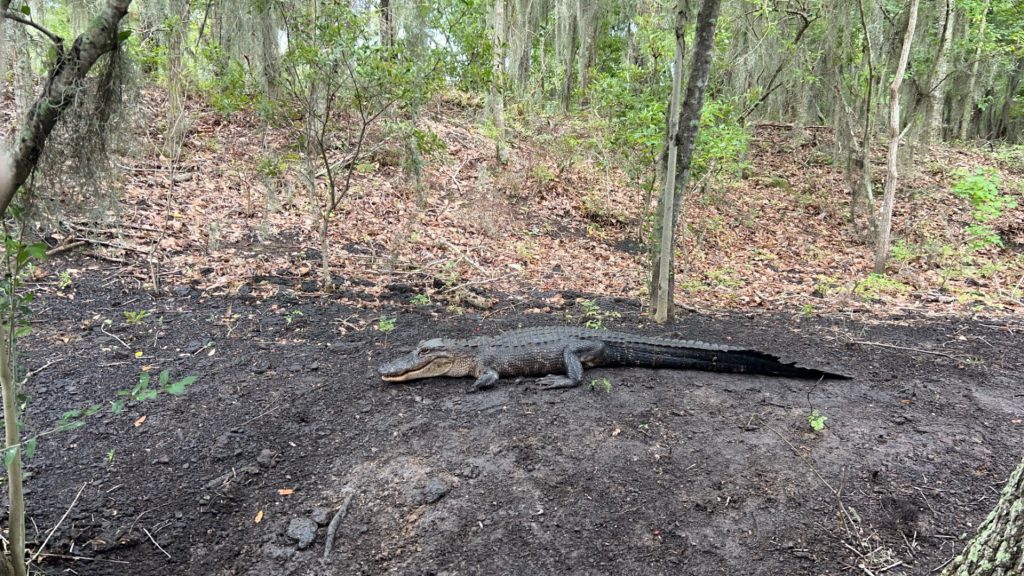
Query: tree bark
point(58, 93)
point(387, 24)
point(937, 84)
point(685, 138)
point(998, 548)
point(972, 78)
point(662, 302)
point(889, 199)
point(495, 93)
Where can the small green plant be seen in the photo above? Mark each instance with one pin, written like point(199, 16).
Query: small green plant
point(291, 315)
point(110, 456)
point(816, 420)
point(64, 280)
point(450, 274)
point(602, 384)
point(142, 391)
point(385, 324)
point(901, 252)
point(981, 188)
point(593, 316)
point(807, 309)
point(135, 317)
point(420, 300)
point(875, 285)
point(543, 174)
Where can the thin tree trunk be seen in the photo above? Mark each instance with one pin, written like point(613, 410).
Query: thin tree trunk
point(685, 138)
point(661, 279)
point(16, 512)
point(937, 89)
point(495, 93)
point(176, 119)
point(889, 199)
point(998, 548)
point(387, 24)
point(863, 197)
point(972, 78)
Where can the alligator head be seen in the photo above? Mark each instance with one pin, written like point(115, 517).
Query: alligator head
point(435, 357)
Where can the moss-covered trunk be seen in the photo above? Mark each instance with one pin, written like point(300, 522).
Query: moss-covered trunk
point(998, 548)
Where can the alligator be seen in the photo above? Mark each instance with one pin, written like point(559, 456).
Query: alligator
point(555, 350)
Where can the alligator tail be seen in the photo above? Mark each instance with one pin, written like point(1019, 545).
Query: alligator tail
point(713, 359)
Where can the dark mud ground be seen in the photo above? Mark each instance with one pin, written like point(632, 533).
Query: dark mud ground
point(671, 472)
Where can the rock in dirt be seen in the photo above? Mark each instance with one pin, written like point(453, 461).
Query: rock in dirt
point(266, 458)
point(303, 531)
point(322, 516)
point(435, 489)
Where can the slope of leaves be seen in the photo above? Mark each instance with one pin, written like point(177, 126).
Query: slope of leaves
point(559, 216)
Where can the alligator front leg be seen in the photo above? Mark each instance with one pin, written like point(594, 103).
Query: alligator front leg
point(573, 357)
point(485, 380)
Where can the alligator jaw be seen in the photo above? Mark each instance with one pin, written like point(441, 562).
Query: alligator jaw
point(413, 367)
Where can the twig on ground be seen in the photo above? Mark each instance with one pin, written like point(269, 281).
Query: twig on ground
point(157, 544)
point(72, 557)
point(104, 330)
point(906, 348)
point(57, 525)
point(65, 247)
point(332, 528)
point(32, 373)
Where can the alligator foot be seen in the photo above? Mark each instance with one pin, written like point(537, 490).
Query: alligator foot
point(553, 382)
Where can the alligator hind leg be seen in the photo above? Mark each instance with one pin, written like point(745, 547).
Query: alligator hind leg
point(573, 357)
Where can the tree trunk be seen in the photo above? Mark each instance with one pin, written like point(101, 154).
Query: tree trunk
point(972, 78)
point(862, 197)
point(566, 47)
point(495, 93)
point(661, 277)
point(59, 91)
point(998, 548)
point(1001, 128)
point(177, 123)
point(685, 138)
point(937, 84)
point(889, 199)
point(387, 24)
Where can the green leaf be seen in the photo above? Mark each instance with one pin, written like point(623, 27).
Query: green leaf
point(68, 426)
point(179, 387)
point(71, 414)
point(30, 447)
point(37, 251)
point(91, 410)
point(26, 10)
point(124, 35)
point(117, 406)
point(147, 394)
point(165, 377)
point(9, 455)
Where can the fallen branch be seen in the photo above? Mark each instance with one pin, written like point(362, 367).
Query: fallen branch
point(332, 528)
point(64, 248)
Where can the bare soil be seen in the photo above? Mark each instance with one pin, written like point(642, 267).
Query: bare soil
point(669, 472)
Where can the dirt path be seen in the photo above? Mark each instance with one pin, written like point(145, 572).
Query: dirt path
point(671, 472)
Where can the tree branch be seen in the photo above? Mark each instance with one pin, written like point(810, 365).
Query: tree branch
point(29, 22)
point(58, 93)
